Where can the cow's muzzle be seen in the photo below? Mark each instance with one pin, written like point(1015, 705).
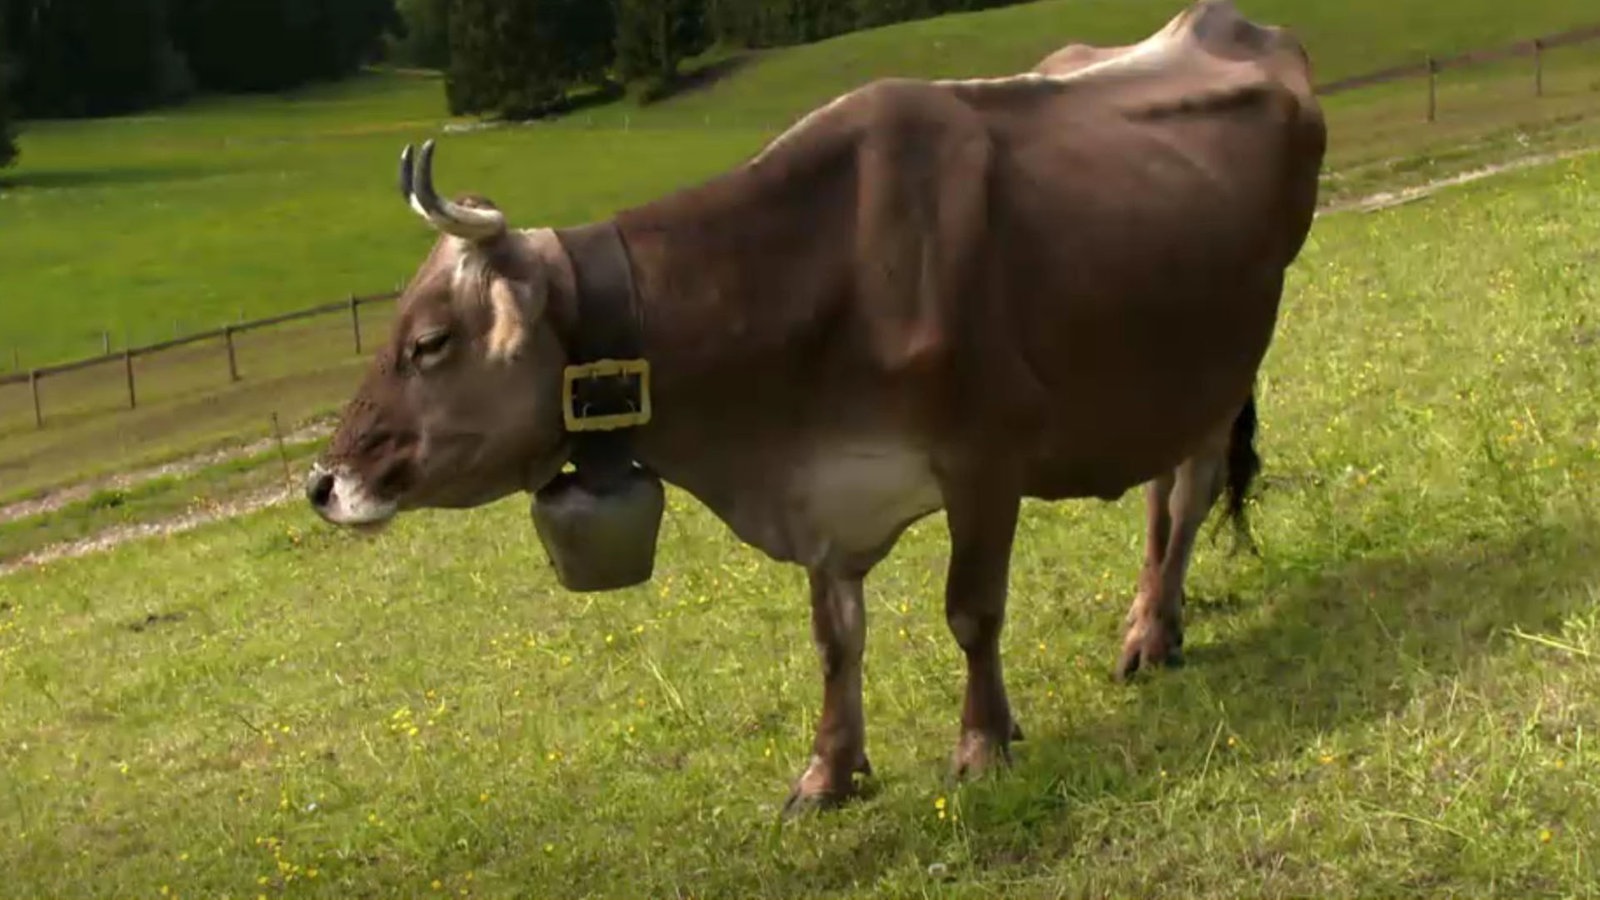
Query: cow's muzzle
point(340, 498)
point(319, 488)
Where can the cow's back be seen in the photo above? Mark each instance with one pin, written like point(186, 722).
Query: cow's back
point(1144, 202)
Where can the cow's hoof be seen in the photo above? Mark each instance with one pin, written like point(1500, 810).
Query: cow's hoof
point(800, 804)
point(978, 753)
point(1150, 643)
point(820, 788)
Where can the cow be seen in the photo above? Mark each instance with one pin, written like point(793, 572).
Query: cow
point(926, 296)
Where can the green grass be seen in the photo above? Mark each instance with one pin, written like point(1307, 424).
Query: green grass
point(186, 404)
point(186, 218)
point(255, 206)
point(1399, 697)
point(155, 500)
point(183, 219)
point(1344, 37)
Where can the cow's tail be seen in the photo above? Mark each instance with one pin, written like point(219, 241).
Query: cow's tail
point(1243, 464)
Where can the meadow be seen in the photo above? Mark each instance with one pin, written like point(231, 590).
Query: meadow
point(132, 230)
point(1396, 697)
point(189, 218)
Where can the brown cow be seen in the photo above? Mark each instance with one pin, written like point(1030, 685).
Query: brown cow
point(925, 296)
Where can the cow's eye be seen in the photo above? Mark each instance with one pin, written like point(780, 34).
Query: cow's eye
point(429, 345)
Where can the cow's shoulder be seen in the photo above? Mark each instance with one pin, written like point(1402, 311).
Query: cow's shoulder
point(882, 108)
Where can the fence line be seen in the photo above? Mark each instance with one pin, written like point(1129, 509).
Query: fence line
point(1429, 67)
point(1433, 65)
point(225, 334)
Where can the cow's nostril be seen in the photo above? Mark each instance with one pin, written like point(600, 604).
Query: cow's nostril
point(319, 489)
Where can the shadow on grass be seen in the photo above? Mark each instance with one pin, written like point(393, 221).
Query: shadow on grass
point(564, 106)
point(1336, 649)
point(697, 79)
point(577, 102)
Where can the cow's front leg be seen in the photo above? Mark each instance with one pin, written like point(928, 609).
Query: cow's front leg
point(838, 752)
point(982, 526)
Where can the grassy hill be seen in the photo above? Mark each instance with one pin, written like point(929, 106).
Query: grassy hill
point(1344, 37)
point(1398, 698)
point(186, 218)
point(144, 227)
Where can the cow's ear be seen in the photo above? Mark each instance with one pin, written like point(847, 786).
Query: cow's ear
point(515, 306)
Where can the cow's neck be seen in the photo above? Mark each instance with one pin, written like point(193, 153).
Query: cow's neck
point(742, 268)
point(734, 277)
point(736, 283)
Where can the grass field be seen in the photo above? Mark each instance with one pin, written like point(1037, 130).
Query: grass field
point(1398, 698)
point(207, 211)
point(189, 218)
point(156, 500)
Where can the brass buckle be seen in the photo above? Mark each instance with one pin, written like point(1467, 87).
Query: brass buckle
point(603, 368)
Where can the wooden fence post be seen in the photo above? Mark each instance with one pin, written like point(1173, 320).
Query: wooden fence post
point(1433, 89)
point(1538, 67)
point(233, 362)
point(283, 455)
point(127, 366)
point(33, 387)
point(355, 322)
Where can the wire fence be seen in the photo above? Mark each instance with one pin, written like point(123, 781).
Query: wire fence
point(200, 360)
point(1429, 67)
point(204, 360)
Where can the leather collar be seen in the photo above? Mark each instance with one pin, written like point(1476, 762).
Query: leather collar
point(606, 329)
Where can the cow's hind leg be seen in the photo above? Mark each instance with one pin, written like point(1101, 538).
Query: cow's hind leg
point(982, 526)
point(1177, 504)
point(839, 629)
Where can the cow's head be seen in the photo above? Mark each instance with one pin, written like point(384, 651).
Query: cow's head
point(461, 405)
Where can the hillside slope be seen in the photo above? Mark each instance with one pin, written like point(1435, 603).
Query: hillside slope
point(255, 205)
point(1345, 37)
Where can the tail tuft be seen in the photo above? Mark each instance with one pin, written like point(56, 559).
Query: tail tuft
point(1243, 466)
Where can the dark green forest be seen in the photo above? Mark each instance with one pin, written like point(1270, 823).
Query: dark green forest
point(513, 58)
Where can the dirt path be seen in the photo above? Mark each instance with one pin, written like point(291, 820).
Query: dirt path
point(111, 537)
point(54, 500)
point(263, 499)
point(1388, 199)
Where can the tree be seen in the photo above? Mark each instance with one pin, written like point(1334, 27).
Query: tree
point(91, 57)
point(423, 36)
point(768, 23)
point(654, 36)
point(8, 140)
point(271, 45)
point(521, 58)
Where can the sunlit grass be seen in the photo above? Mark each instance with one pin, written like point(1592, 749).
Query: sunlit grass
point(187, 218)
point(178, 220)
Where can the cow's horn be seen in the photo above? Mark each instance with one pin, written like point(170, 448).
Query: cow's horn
point(416, 183)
